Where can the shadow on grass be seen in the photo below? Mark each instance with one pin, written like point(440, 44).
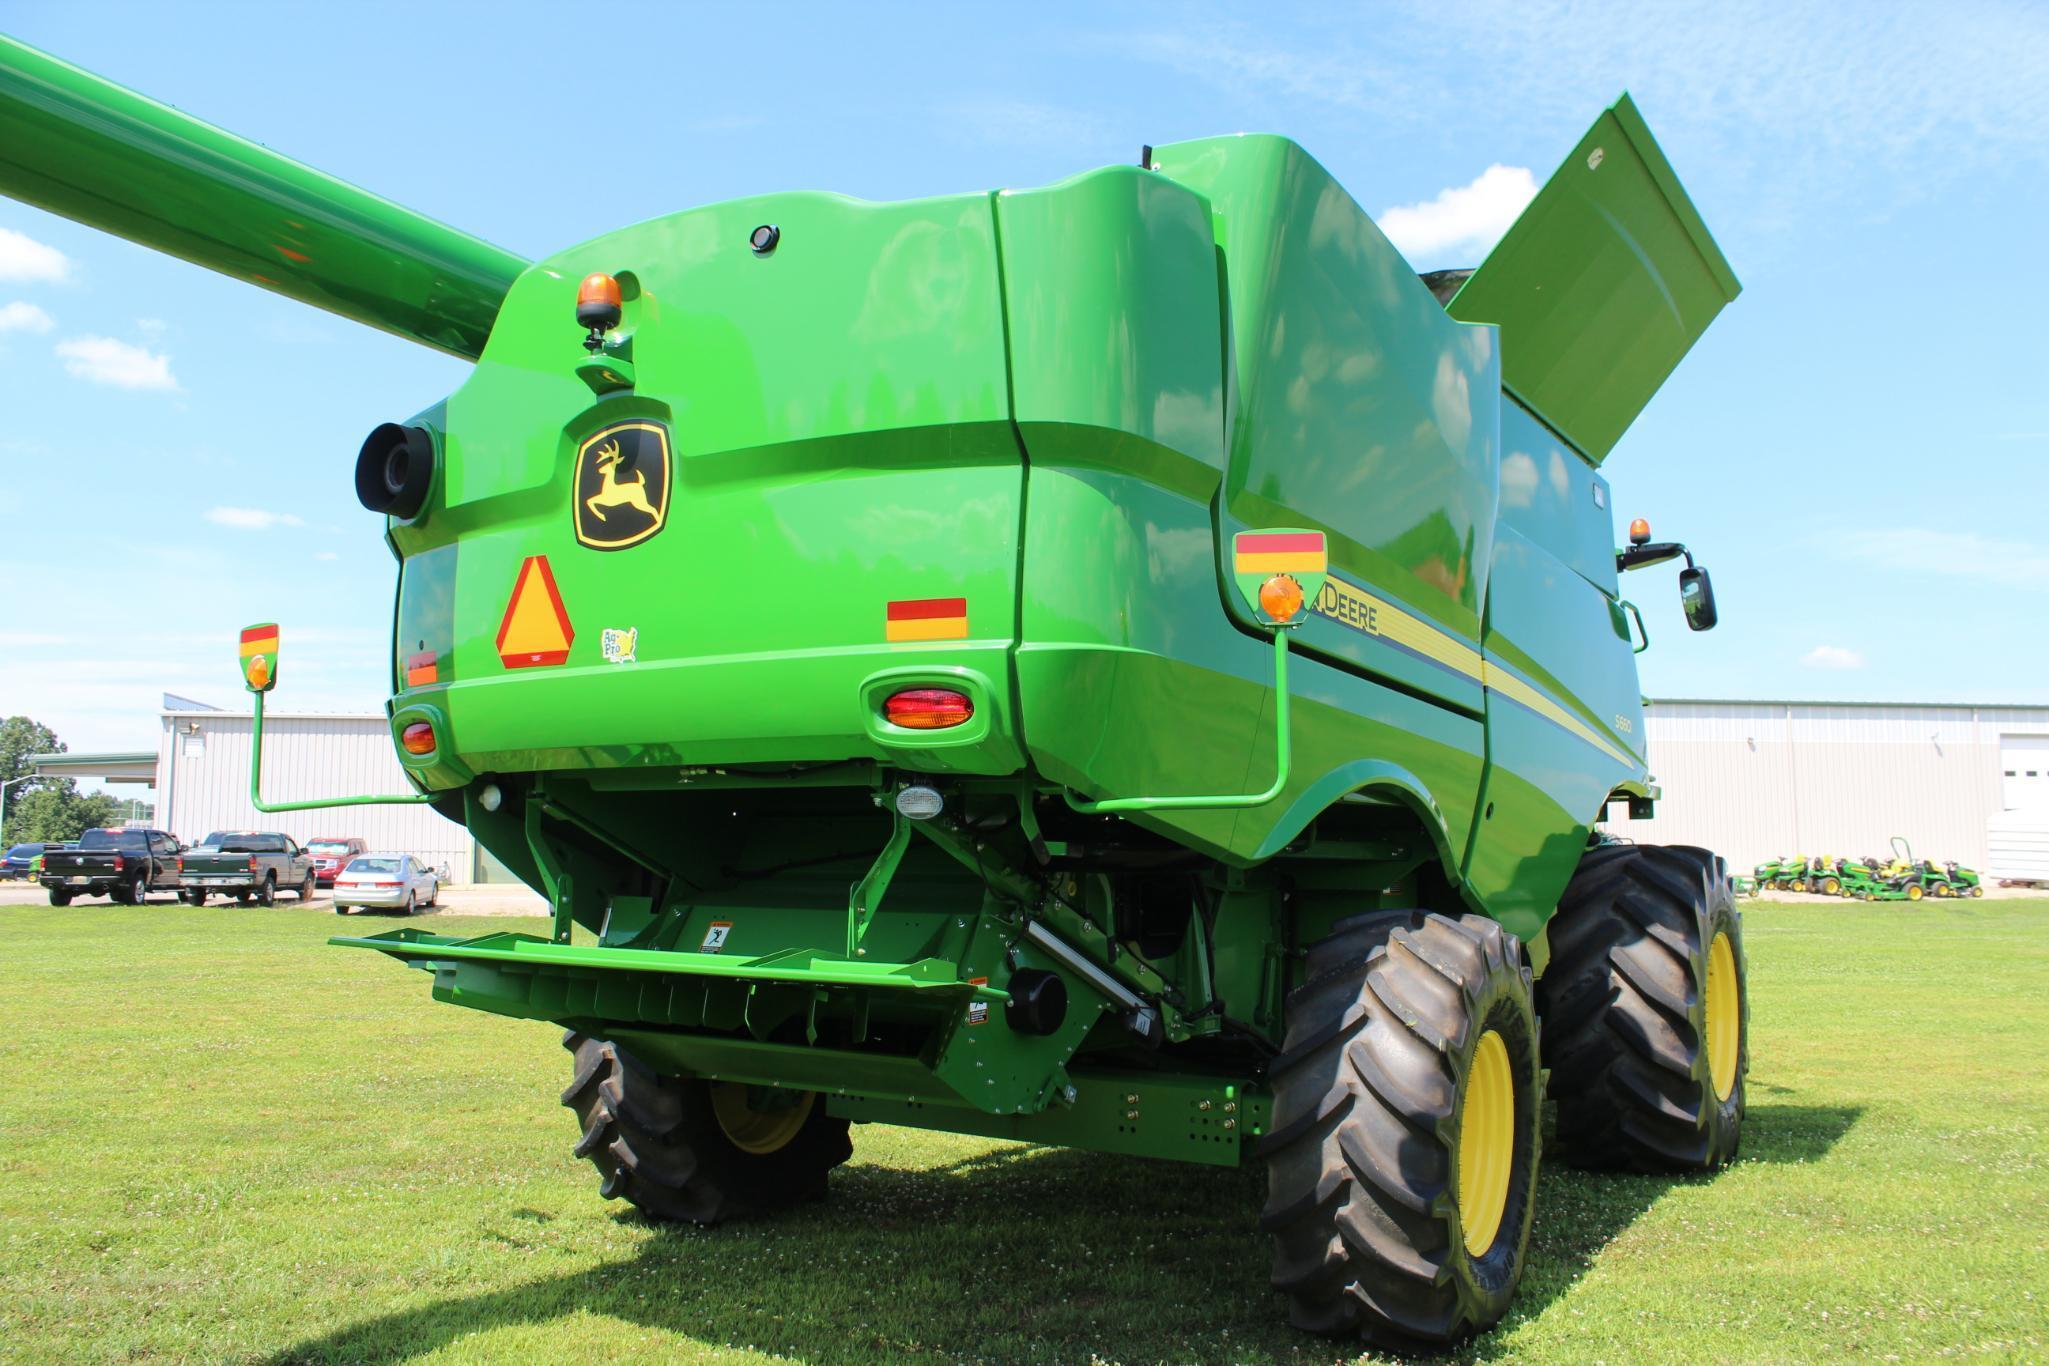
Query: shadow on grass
point(1008, 1254)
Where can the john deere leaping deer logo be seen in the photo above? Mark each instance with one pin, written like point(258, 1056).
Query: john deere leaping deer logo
point(621, 488)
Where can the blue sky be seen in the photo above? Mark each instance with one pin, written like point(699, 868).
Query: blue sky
point(1859, 448)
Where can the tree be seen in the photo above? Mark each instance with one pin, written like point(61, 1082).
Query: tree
point(20, 738)
point(50, 815)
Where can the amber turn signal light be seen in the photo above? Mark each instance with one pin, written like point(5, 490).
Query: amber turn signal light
point(1639, 531)
point(927, 708)
point(417, 738)
point(1280, 597)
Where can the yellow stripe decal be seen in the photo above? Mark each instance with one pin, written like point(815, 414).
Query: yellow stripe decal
point(1354, 607)
point(1500, 681)
point(1360, 610)
point(1279, 562)
point(927, 628)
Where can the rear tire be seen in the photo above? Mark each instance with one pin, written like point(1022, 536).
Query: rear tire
point(306, 890)
point(1402, 1159)
point(660, 1144)
point(1646, 1011)
point(193, 898)
point(59, 897)
point(266, 895)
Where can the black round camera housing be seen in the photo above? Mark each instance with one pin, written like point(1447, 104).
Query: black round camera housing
point(395, 469)
point(763, 239)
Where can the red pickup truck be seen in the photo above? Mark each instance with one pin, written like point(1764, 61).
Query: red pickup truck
point(331, 853)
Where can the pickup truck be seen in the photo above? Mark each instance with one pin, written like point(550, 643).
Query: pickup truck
point(331, 854)
point(126, 865)
point(245, 864)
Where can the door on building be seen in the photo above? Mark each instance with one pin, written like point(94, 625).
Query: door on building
point(2024, 772)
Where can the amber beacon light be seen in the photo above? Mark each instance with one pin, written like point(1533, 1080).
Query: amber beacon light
point(597, 307)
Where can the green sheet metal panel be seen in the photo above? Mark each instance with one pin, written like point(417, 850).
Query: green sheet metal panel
point(1556, 501)
point(839, 439)
point(1117, 376)
point(1356, 406)
point(1601, 286)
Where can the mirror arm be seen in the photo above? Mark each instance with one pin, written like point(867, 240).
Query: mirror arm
point(1644, 556)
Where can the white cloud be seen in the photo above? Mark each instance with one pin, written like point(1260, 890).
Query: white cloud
point(24, 317)
point(250, 519)
point(1770, 109)
point(151, 327)
point(22, 258)
point(103, 360)
point(1955, 554)
point(1463, 222)
point(1832, 657)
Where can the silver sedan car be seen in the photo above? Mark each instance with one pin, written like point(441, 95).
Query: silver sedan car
point(385, 882)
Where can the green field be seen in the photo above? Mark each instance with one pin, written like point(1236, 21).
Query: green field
point(221, 1140)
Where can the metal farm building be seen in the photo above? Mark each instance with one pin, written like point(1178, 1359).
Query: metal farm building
point(1754, 780)
point(202, 782)
point(1750, 780)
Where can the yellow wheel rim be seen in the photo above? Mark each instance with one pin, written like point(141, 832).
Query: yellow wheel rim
point(1913, 893)
point(1486, 1144)
point(757, 1131)
point(1724, 1016)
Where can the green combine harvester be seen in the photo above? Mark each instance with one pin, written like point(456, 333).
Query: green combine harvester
point(1124, 664)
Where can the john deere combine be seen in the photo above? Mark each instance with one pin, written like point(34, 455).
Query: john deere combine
point(1123, 664)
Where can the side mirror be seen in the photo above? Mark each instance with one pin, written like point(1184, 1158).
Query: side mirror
point(1697, 598)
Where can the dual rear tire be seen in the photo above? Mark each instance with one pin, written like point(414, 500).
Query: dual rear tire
point(1402, 1158)
point(1404, 1147)
point(1647, 1012)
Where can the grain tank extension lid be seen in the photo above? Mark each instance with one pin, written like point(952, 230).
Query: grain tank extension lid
point(1601, 286)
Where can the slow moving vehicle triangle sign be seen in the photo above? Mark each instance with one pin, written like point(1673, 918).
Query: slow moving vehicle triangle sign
point(536, 628)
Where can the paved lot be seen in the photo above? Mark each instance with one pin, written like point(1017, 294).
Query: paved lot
point(469, 899)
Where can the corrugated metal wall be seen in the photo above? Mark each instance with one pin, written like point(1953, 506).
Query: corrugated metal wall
point(1754, 780)
point(203, 783)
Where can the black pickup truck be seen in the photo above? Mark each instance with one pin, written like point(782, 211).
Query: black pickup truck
point(126, 865)
point(245, 864)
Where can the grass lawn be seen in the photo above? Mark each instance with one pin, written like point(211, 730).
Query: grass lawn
point(220, 1139)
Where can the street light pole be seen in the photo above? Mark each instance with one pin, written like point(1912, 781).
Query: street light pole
point(3, 796)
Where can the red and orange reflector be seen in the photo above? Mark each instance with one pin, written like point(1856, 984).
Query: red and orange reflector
point(927, 708)
point(926, 619)
point(259, 657)
point(417, 738)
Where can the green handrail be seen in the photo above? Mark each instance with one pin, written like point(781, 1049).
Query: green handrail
point(1282, 748)
point(256, 781)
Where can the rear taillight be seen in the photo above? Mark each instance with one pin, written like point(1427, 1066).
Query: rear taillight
point(120, 864)
point(927, 708)
point(181, 863)
point(252, 863)
point(417, 738)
